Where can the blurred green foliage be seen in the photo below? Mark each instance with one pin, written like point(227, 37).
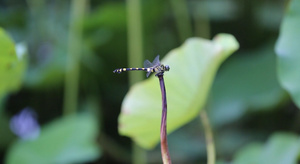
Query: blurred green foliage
point(13, 63)
point(68, 140)
point(288, 50)
point(248, 106)
point(247, 83)
point(281, 148)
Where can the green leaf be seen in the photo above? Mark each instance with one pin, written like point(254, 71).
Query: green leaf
point(281, 148)
point(249, 154)
point(12, 65)
point(69, 140)
point(288, 51)
point(193, 67)
point(246, 82)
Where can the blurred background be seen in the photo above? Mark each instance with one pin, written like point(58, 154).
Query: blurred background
point(70, 49)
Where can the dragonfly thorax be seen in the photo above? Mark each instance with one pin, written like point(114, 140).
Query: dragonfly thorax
point(161, 69)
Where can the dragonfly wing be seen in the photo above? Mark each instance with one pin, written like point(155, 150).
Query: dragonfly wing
point(156, 61)
point(147, 64)
point(148, 74)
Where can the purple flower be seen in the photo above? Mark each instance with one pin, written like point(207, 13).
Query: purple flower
point(25, 125)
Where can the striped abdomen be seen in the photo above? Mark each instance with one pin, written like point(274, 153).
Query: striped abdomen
point(132, 69)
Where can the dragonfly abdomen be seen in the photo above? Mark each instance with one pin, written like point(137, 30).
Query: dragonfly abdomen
point(119, 70)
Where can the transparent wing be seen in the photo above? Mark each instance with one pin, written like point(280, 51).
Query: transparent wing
point(147, 64)
point(148, 74)
point(156, 61)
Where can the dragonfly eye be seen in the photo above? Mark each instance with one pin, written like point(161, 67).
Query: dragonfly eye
point(167, 68)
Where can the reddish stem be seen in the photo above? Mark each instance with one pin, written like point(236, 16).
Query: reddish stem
point(163, 128)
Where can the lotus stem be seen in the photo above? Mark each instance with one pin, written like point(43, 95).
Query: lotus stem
point(210, 145)
point(163, 128)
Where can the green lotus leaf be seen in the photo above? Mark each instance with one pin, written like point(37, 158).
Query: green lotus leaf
point(249, 154)
point(281, 148)
point(192, 69)
point(71, 139)
point(288, 51)
point(12, 64)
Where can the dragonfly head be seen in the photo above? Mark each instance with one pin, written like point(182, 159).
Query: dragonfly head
point(167, 68)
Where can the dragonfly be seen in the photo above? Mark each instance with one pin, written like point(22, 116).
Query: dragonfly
point(149, 67)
